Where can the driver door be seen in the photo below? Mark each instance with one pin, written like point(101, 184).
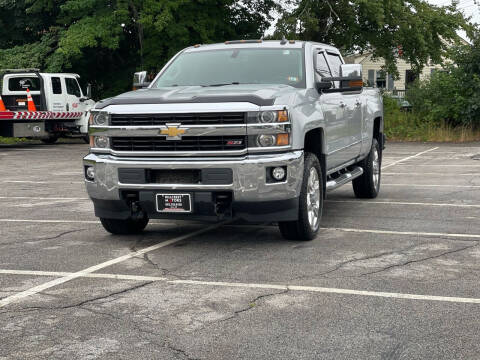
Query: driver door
point(335, 112)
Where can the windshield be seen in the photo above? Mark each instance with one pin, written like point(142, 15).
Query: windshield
point(235, 66)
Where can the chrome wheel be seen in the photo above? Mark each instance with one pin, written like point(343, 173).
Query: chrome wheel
point(313, 199)
point(376, 168)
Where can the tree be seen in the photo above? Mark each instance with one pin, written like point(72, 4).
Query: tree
point(424, 31)
point(105, 41)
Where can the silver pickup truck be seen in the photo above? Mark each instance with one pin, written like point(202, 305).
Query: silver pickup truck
point(253, 130)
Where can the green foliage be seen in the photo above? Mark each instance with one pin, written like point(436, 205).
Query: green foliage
point(452, 96)
point(105, 41)
point(423, 30)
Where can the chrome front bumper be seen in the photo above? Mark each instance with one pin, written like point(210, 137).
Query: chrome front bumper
point(249, 175)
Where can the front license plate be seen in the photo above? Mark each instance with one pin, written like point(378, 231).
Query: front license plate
point(174, 203)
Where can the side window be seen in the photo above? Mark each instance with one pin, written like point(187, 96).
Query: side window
point(335, 62)
point(72, 87)
point(321, 66)
point(56, 85)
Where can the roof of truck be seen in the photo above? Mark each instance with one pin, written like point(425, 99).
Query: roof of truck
point(29, 73)
point(291, 44)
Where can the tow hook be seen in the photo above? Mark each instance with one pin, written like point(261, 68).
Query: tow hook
point(223, 205)
point(136, 211)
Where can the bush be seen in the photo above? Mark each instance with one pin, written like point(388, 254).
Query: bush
point(451, 97)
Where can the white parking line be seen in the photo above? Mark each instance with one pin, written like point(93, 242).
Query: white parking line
point(35, 290)
point(409, 157)
point(317, 289)
point(434, 185)
point(413, 233)
point(40, 182)
point(441, 165)
point(404, 203)
point(42, 198)
point(51, 221)
point(374, 231)
point(430, 174)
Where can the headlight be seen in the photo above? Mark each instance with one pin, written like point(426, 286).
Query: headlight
point(266, 140)
point(99, 118)
point(268, 117)
point(99, 142)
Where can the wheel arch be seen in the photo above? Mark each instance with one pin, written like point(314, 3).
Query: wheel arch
point(378, 133)
point(314, 142)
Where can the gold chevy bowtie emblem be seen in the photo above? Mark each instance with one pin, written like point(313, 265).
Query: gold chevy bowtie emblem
point(173, 132)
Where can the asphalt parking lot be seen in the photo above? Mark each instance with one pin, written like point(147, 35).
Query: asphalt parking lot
point(392, 278)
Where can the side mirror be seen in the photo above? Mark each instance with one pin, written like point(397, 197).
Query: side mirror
point(350, 77)
point(352, 73)
point(323, 85)
point(139, 80)
point(89, 90)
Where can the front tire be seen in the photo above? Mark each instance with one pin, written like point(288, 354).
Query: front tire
point(124, 227)
point(310, 204)
point(367, 186)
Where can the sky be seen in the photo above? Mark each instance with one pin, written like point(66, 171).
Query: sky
point(468, 7)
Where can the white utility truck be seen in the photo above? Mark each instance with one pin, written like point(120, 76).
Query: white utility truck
point(59, 109)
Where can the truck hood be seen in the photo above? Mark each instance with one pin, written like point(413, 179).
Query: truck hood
point(258, 94)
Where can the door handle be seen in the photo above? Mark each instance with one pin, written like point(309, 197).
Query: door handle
point(343, 105)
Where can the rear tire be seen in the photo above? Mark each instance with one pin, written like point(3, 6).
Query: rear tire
point(310, 204)
point(124, 227)
point(50, 140)
point(367, 186)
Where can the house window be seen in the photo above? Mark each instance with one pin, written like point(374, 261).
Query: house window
point(410, 78)
point(371, 77)
point(390, 82)
point(381, 79)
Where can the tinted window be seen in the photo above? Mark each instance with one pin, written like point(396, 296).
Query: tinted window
point(23, 83)
point(72, 87)
point(252, 66)
point(335, 63)
point(56, 85)
point(322, 66)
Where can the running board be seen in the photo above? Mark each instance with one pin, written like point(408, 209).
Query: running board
point(344, 178)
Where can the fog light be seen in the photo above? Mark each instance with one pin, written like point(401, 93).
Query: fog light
point(266, 140)
point(101, 141)
point(90, 173)
point(278, 173)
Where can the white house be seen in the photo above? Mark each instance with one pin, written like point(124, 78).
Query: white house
point(373, 74)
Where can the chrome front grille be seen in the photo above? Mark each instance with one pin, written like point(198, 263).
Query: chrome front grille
point(187, 143)
point(184, 119)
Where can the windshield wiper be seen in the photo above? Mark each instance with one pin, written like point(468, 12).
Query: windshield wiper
point(222, 84)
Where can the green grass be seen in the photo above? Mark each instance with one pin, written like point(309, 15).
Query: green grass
point(12, 141)
point(409, 126)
